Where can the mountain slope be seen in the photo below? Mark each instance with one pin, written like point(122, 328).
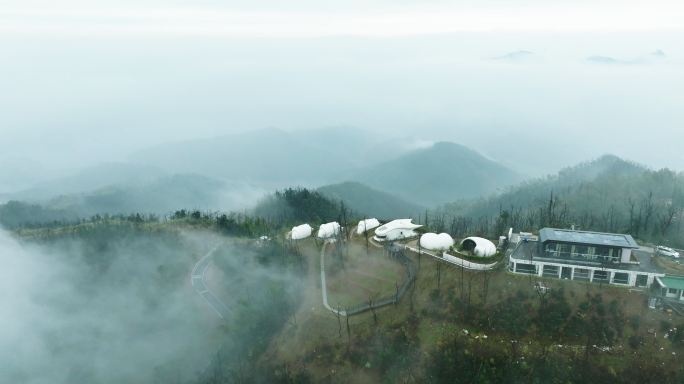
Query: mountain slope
point(371, 202)
point(161, 196)
point(584, 180)
point(607, 195)
point(441, 173)
point(89, 179)
point(269, 156)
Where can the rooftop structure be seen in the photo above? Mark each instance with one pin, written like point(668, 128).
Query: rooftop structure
point(587, 238)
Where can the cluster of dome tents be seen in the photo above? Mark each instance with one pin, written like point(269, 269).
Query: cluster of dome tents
point(398, 230)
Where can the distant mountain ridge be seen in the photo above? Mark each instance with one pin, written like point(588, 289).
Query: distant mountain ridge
point(163, 195)
point(89, 179)
point(438, 174)
point(364, 200)
point(425, 174)
point(160, 195)
point(266, 156)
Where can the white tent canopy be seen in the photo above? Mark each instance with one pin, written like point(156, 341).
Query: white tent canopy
point(366, 225)
point(435, 242)
point(329, 230)
point(479, 246)
point(396, 230)
point(301, 232)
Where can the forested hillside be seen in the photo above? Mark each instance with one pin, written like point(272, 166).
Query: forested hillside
point(439, 174)
point(159, 195)
point(293, 206)
point(371, 202)
point(608, 194)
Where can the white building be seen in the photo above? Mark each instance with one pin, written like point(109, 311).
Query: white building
point(396, 230)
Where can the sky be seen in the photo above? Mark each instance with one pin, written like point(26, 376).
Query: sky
point(534, 85)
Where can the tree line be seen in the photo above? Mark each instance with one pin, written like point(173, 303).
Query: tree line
point(648, 205)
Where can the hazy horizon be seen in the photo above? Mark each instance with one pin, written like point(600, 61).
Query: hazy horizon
point(95, 83)
point(181, 182)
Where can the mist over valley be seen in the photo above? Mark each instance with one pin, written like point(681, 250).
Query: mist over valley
point(306, 191)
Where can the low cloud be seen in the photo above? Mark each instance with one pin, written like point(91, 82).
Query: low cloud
point(65, 318)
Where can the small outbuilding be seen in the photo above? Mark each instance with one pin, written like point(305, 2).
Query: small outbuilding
point(671, 286)
point(478, 246)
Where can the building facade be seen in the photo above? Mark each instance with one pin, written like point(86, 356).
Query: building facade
point(596, 257)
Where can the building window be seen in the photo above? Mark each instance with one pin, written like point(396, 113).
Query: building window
point(581, 274)
point(581, 251)
point(526, 268)
point(550, 271)
point(672, 291)
point(641, 280)
point(600, 276)
point(621, 278)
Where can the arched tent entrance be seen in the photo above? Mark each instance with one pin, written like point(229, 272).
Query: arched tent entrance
point(478, 246)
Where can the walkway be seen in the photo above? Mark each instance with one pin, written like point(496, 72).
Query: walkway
point(362, 307)
point(324, 287)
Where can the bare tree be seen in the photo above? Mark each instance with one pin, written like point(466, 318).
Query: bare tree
point(439, 274)
point(339, 321)
point(348, 329)
point(372, 308)
point(485, 285)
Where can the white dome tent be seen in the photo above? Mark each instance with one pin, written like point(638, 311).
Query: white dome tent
point(329, 230)
point(301, 232)
point(396, 230)
point(366, 225)
point(479, 246)
point(435, 242)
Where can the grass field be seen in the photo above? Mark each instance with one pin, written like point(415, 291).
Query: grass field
point(318, 342)
point(361, 276)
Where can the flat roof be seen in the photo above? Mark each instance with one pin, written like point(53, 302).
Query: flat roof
point(587, 237)
point(674, 282)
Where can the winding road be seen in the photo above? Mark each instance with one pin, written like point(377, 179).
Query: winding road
point(198, 281)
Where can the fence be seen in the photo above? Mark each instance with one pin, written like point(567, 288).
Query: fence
point(393, 299)
point(457, 260)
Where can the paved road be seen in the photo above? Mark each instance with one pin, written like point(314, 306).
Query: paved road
point(199, 284)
